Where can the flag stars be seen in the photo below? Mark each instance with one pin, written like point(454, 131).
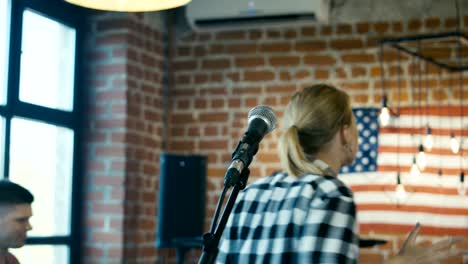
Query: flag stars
point(365, 161)
point(366, 157)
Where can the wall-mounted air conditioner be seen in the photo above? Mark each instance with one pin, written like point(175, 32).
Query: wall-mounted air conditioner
point(208, 13)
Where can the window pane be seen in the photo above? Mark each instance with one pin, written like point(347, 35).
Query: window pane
point(47, 62)
point(42, 254)
point(4, 44)
point(41, 160)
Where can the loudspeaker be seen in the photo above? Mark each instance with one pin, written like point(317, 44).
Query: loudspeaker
point(181, 211)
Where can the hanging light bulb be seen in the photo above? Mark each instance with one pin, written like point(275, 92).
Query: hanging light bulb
point(439, 174)
point(461, 186)
point(421, 159)
point(384, 116)
point(414, 172)
point(400, 192)
point(454, 144)
point(428, 141)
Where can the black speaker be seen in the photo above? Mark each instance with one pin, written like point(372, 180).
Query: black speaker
point(181, 211)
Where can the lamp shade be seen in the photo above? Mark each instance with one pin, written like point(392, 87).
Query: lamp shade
point(129, 5)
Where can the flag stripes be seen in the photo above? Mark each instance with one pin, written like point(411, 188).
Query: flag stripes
point(431, 199)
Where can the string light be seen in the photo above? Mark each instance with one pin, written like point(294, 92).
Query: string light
point(457, 144)
point(454, 144)
point(426, 141)
point(429, 140)
point(421, 158)
point(384, 116)
point(439, 174)
point(461, 185)
point(414, 171)
point(400, 192)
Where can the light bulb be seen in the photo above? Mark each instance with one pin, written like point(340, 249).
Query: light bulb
point(400, 193)
point(439, 173)
point(384, 116)
point(461, 185)
point(461, 189)
point(414, 172)
point(421, 159)
point(428, 141)
point(454, 145)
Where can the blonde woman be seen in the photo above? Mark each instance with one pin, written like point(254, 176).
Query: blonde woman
point(305, 214)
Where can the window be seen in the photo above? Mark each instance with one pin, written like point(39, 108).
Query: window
point(47, 61)
point(40, 122)
point(43, 164)
point(43, 253)
point(4, 43)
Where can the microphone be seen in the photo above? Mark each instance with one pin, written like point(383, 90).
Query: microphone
point(261, 121)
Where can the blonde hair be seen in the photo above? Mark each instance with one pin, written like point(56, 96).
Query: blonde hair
point(312, 117)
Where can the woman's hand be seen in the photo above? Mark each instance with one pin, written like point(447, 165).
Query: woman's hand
point(411, 253)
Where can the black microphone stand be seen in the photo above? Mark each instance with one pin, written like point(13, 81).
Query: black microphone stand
point(231, 179)
point(236, 176)
point(211, 240)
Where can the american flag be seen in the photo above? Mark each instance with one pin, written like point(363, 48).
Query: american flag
point(432, 198)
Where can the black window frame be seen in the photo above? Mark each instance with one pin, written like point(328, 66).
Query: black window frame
point(74, 17)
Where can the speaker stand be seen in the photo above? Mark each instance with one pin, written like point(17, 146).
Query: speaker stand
point(184, 244)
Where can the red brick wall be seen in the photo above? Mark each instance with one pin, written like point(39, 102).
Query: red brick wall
point(221, 74)
point(125, 58)
point(218, 76)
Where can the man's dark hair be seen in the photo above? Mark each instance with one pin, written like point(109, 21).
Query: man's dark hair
point(12, 193)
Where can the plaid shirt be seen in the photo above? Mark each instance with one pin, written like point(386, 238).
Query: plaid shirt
point(283, 219)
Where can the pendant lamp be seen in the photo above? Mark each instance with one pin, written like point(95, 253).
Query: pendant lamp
point(129, 5)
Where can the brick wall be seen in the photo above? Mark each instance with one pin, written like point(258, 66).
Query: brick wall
point(125, 59)
point(221, 74)
point(218, 76)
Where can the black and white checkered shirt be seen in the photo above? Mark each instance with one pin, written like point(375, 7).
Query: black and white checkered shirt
point(283, 219)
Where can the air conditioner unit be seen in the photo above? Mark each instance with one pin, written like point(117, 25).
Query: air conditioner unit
point(208, 13)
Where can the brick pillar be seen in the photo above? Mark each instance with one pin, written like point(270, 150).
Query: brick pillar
point(124, 62)
point(145, 56)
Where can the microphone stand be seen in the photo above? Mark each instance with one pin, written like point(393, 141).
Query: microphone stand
point(236, 176)
point(211, 239)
